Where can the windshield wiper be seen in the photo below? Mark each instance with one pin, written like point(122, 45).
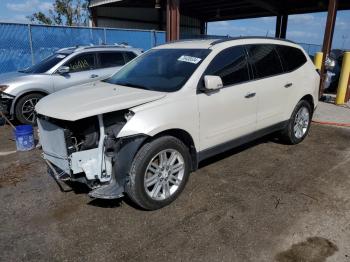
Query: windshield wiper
point(131, 85)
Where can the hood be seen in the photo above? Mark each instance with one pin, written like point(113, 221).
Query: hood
point(93, 99)
point(16, 81)
point(11, 77)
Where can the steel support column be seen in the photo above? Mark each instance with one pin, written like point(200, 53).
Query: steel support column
point(93, 12)
point(203, 28)
point(281, 26)
point(173, 20)
point(328, 38)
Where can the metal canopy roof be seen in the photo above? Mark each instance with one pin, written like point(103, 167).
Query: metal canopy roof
point(217, 10)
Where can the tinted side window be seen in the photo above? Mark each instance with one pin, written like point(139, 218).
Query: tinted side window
point(82, 62)
point(292, 58)
point(129, 56)
point(111, 59)
point(264, 60)
point(231, 65)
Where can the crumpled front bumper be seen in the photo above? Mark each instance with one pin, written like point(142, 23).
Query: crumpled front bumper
point(95, 165)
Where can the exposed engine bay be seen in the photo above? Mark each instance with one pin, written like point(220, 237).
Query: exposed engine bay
point(87, 150)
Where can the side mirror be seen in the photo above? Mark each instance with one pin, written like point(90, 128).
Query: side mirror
point(63, 70)
point(212, 83)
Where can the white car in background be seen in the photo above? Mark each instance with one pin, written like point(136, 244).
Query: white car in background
point(142, 131)
point(20, 91)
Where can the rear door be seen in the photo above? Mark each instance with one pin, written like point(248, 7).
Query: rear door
point(268, 75)
point(297, 79)
point(230, 112)
point(83, 69)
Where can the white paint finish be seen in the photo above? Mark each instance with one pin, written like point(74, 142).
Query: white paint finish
point(175, 111)
point(272, 96)
point(226, 114)
point(93, 99)
point(209, 119)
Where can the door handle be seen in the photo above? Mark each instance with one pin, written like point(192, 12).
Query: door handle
point(93, 76)
point(250, 95)
point(288, 85)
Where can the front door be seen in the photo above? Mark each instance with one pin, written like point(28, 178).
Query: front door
point(230, 112)
point(82, 70)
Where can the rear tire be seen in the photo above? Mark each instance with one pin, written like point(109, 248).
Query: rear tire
point(159, 173)
point(299, 124)
point(25, 108)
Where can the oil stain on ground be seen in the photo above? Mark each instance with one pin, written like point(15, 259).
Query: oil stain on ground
point(314, 249)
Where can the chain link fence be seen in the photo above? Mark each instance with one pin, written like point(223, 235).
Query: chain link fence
point(22, 45)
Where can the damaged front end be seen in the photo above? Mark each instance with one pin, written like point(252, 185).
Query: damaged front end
point(89, 151)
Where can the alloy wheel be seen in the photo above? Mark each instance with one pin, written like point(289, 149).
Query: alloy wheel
point(28, 109)
point(164, 174)
point(301, 122)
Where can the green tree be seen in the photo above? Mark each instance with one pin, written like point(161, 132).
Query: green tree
point(64, 12)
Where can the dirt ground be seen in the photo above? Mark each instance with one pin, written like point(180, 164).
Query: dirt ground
point(263, 202)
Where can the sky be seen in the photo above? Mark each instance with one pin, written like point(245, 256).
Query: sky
point(305, 28)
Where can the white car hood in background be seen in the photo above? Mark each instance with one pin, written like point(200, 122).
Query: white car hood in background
point(93, 99)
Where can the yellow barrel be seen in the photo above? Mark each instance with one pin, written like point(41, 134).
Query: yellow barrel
point(343, 80)
point(318, 60)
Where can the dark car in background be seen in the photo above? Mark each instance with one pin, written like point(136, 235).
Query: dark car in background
point(333, 69)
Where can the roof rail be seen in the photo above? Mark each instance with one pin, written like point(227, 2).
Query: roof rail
point(121, 45)
point(78, 48)
point(186, 40)
point(249, 37)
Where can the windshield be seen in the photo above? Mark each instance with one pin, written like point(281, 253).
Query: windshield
point(163, 70)
point(45, 65)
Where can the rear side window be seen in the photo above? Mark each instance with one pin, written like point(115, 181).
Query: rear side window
point(231, 65)
point(129, 56)
point(81, 63)
point(264, 60)
point(291, 57)
point(111, 59)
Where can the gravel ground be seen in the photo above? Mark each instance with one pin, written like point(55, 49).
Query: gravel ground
point(263, 202)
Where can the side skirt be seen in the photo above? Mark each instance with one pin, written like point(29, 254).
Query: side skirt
point(240, 141)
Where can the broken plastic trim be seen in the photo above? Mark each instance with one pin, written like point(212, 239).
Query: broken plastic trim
point(123, 158)
point(57, 177)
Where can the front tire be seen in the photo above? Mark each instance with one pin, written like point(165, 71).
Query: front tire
point(299, 124)
point(159, 173)
point(25, 108)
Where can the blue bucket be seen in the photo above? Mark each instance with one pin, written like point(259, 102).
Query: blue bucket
point(24, 138)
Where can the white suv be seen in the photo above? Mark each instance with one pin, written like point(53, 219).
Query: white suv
point(142, 131)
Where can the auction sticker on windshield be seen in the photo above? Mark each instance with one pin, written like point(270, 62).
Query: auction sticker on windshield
point(189, 59)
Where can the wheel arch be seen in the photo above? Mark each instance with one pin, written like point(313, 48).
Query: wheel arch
point(184, 137)
point(28, 92)
point(309, 98)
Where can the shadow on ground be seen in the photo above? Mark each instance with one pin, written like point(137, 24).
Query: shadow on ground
point(262, 202)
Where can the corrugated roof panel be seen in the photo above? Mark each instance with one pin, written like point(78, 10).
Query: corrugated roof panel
point(94, 3)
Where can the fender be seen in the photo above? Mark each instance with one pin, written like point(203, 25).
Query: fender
point(27, 91)
point(126, 149)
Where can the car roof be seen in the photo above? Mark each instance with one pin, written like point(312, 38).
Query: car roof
point(219, 43)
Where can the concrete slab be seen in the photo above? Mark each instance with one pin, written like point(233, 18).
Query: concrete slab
point(263, 202)
point(328, 112)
